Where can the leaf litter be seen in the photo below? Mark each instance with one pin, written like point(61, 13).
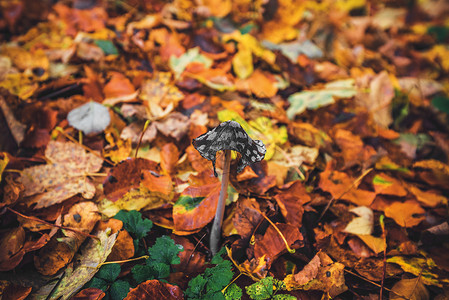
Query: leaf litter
point(349, 97)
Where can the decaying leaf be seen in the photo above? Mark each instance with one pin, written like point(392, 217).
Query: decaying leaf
point(65, 177)
point(84, 267)
point(321, 273)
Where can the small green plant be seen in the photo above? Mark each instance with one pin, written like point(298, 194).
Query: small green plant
point(135, 225)
point(267, 288)
point(106, 280)
point(210, 284)
point(162, 255)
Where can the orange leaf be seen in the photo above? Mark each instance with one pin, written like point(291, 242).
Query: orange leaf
point(341, 186)
point(406, 214)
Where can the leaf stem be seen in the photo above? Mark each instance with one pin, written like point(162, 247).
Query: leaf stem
point(147, 122)
point(51, 224)
point(290, 250)
point(219, 213)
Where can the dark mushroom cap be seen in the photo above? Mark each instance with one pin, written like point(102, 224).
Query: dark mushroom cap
point(230, 135)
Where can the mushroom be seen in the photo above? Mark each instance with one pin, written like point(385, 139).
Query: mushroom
point(227, 136)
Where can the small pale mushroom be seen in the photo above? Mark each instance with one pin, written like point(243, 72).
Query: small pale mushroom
point(227, 136)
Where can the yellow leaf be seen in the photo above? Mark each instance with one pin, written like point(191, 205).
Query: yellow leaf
point(242, 62)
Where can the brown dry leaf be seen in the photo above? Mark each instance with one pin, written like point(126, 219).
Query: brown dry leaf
point(310, 136)
point(340, 185)
point(88, 20)
point(11, 291)
point(65, 177)
point(155, 289)
point(89, 294)
point(10, 245)
point(247, 217)
point(359, 248)
point(334, 283)
point(160, 95)
point(124, 246)
point(378, 101)
point(406, 214)
point(352, 148)
point(427, 198)
point(126, 176)
point(291, 201)
point(16, 128)
point(433, 172)
point(271, 245)
point(60, 250)
point(176, 125)
point(309, 272)
point(412, 289)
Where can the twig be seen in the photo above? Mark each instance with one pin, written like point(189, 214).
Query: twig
point(384, 269)
point(50, 224)
point(373, 283)
point(219, 213)
point(145, 127)
point(193, 251)
point(123, 261)
point(290, 250)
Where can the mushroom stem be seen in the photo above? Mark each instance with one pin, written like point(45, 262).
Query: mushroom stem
point(219, 213)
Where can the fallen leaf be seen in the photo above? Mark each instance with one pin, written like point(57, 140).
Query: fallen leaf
point(195, 208)
point(420, 266)
point(155, 289)
point(412, 289)
point(62, 248)
point(334, 283)
point(66, 177)
point(314, 99)
point(363, 224)
point(341, 186)
point(406, 214)
point(386, 185)
point(85, 265)
point(427, 198)
point(91, 117)
point(271, 245)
